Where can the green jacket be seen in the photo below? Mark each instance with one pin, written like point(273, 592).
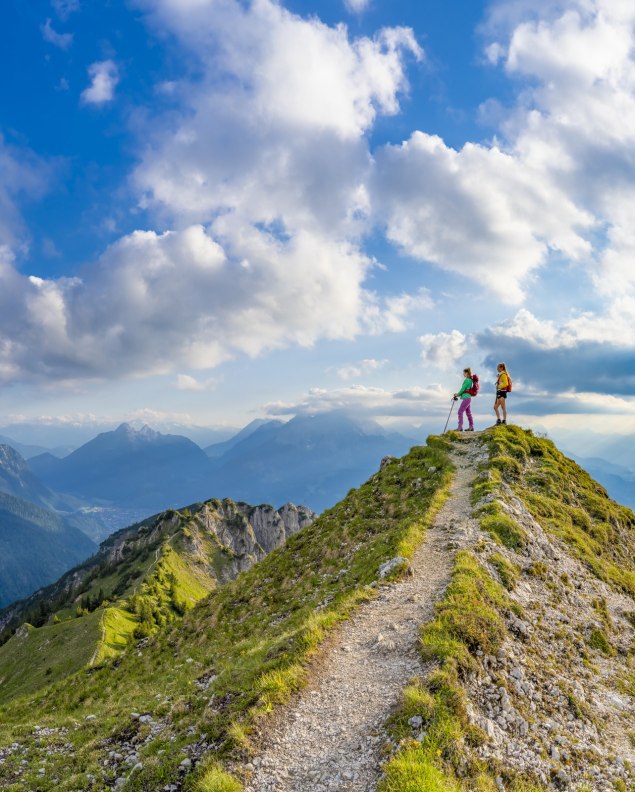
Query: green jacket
point(466, 385)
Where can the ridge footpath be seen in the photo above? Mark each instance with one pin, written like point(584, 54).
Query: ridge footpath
point(332, 736)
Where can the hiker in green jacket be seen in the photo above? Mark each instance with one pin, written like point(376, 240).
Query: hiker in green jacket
point(465, 408)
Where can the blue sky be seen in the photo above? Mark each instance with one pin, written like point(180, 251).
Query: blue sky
point(213, 210)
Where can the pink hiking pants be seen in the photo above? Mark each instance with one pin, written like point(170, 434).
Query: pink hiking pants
point(465, 408)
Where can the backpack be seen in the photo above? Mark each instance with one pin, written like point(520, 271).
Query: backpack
point(473, 391)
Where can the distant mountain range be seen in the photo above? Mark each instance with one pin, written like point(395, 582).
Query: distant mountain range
point(61, 438)
point(27, 450)
point(311, 459)
point(140, 469)
point(17, 478)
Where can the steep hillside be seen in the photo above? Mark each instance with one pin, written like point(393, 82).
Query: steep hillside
point(36, 547)
point(619, 481)
point(142, 577)
point(17, 479)
point(526, 680)
point(534, 640)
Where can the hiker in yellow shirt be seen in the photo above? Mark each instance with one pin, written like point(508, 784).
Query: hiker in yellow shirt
point(503, 387)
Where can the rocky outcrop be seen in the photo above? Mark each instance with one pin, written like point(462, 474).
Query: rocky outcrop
point(273, 527)
point(296, 517)
point(247, 532)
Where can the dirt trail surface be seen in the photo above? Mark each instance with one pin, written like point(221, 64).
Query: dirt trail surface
point(330, 737)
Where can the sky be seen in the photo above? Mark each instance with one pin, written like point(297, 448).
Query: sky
point(218, 210)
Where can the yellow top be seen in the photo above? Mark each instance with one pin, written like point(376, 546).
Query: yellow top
point(502, 382)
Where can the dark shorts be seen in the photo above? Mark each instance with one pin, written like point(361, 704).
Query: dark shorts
point(501, 394)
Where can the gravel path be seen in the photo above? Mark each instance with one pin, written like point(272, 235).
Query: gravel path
point(331, 735)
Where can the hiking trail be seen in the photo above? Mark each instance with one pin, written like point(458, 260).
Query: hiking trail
point(330, 736)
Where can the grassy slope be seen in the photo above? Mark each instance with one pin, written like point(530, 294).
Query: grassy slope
point(567, 502)
point(36, 657)
point(254, 636)
point(56, 650)
point(471, 616)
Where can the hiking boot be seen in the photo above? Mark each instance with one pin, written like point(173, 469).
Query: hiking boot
point(504, 422)
point(458, 429)
point(498, 421)
point(471, 429)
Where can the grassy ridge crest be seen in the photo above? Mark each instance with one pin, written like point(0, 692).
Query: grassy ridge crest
point(567, 502)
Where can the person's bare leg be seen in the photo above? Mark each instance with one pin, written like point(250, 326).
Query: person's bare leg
point(504, 406)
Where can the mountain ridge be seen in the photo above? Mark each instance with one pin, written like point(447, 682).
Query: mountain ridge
point(132, 468)
point(527, 652)
point(17, 478)
point(310, 459)
point(175, 557)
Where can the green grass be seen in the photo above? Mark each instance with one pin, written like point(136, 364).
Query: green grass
point(217, 780)
point(412, 771)
point(567, 502)
point(599, 641)
point(255, 635)
point(35, 658)
point(504, 529)
point(117, 626)
point(507, 572)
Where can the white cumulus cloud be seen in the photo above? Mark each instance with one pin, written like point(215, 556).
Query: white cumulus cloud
point(156, 302)
point(104, 77)
point(443, 349)
point(479, 211)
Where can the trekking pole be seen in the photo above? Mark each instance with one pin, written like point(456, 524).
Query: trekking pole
point(449, 414)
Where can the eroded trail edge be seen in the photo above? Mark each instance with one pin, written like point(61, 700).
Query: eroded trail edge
point(332, 733)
